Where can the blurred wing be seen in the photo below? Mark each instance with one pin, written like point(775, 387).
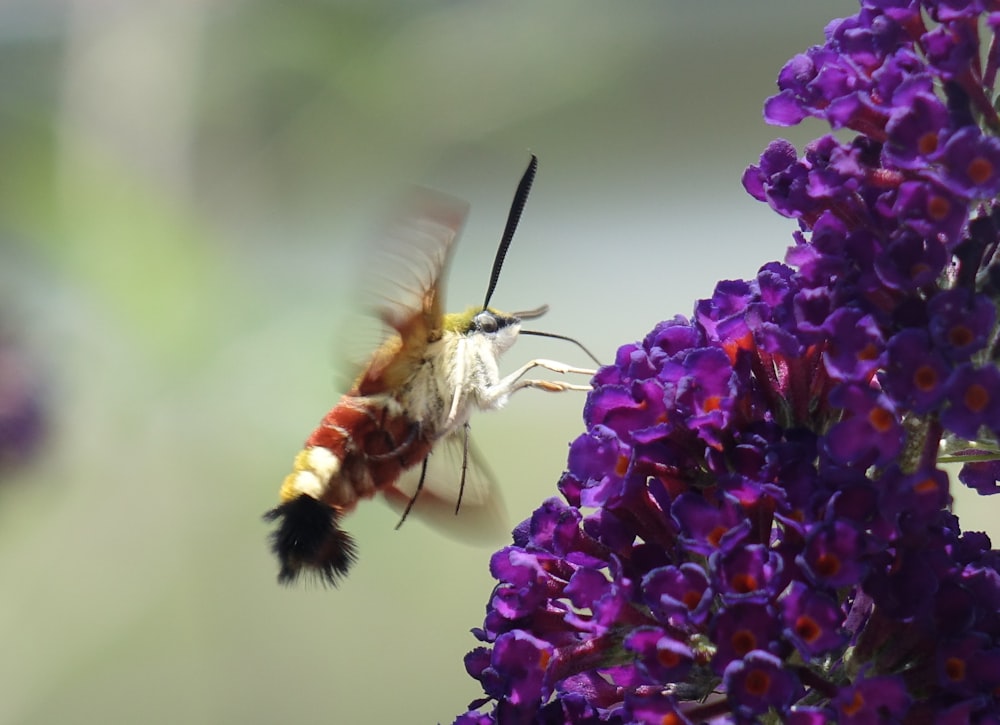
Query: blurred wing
point(481, 517)
point(405, 275)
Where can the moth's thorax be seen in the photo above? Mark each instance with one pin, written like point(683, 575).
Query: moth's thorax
point(454, 376)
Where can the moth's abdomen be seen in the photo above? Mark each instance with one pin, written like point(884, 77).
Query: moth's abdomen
point(363, 444)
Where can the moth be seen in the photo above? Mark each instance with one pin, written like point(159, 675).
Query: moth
point(411, 404)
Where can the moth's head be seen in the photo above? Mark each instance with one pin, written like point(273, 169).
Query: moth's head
point(500, 328)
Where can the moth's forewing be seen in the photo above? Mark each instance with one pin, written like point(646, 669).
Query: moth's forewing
point(405, 278)
point(482, 516)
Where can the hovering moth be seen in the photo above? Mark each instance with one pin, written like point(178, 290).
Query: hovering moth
point(413, 400)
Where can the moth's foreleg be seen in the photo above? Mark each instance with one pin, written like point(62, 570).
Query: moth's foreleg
point(550, 386)
point(512, 382)
point(553, 365)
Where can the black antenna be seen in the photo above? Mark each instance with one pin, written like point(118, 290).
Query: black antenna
point(567, 338)
point(513, 217)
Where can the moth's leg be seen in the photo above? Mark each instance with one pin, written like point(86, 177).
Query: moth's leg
point(411, 436)
point(550, 386)
point(512, 382)
point(553, 365)
point(459, 374)
point(465, 465)
point(413, 499)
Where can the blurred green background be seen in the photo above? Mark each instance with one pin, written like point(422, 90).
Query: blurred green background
point(185, 187)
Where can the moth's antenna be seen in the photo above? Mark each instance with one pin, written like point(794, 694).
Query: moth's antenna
point(513, 217)
point(567, 339)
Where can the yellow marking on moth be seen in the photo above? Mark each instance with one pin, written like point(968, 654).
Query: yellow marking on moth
point(297, 484)
point(311, 472)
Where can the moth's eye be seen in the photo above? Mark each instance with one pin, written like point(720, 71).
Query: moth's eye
point(485, 322)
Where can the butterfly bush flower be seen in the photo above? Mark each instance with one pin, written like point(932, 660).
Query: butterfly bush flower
point(22, 415)
point(755, 525)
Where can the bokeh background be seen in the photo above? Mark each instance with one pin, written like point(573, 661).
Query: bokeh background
point(185, 189)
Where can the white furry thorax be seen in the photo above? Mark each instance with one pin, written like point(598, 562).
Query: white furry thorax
point(458, 375)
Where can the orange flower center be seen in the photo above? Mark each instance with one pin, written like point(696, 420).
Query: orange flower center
point(807, 628)
point(925, 378)
point(976, 398)
point(928, 143)
point(979, 170)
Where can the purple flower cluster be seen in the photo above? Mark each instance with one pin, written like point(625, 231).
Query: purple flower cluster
point(754, 526)
point(22, 414)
